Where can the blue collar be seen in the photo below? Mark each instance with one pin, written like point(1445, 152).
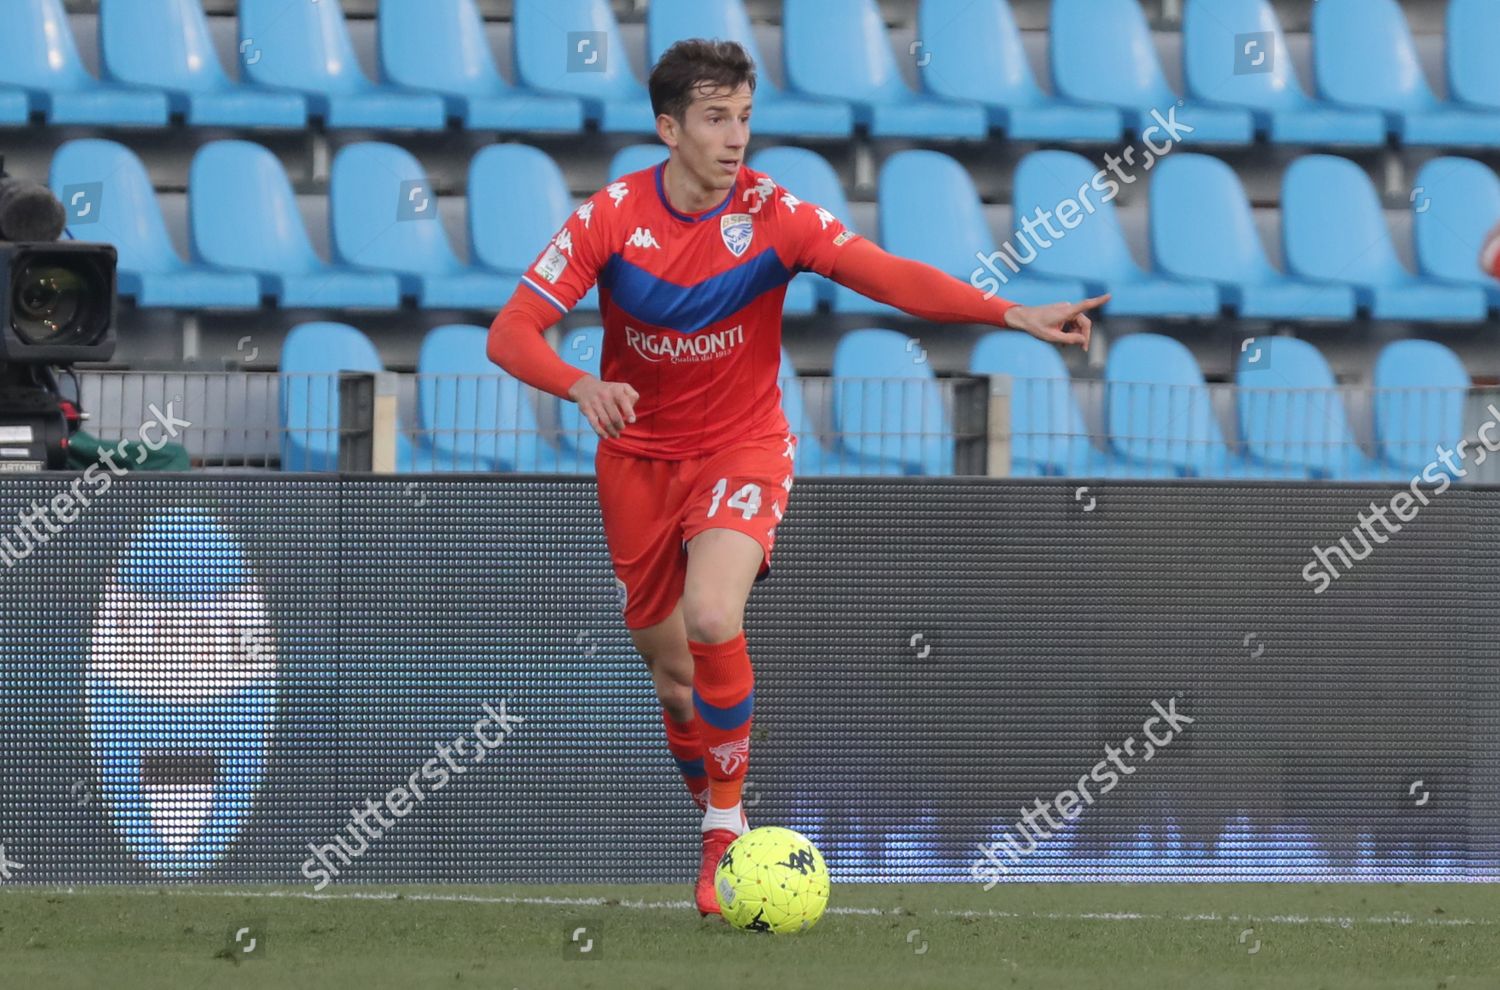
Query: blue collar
point(661, 191)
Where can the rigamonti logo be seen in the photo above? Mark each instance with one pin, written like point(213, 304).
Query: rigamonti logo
point(678, 348)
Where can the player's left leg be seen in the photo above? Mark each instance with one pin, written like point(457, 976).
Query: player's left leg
point(722, 565)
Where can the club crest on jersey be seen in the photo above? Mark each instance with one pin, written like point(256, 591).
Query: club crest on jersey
point(737, 231)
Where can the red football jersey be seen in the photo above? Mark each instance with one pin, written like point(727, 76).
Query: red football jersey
point(691, 303)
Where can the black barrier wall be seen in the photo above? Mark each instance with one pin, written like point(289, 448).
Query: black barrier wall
point(313, 680)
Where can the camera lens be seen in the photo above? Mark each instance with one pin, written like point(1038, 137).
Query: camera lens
point(55, 304)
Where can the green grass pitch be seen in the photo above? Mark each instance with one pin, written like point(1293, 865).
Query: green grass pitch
point(1120, 937)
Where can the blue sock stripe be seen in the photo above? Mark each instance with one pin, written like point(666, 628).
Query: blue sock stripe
point(691, 768)
point(725, 718)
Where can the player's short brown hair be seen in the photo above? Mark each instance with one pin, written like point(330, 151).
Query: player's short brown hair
point(694, 64)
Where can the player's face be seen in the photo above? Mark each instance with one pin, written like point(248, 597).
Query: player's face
point(713, 136)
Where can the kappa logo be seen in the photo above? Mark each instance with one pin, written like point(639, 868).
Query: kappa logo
point(617, 191)
point(564, 241)
point(586, 213)
point(826, 217)
point(801, 861)
point(738, 231)
point(643, 238)
point(731, 755)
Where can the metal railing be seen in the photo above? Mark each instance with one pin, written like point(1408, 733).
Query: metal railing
point(964, 425)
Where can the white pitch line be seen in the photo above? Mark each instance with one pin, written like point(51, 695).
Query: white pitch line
point(1277, 919)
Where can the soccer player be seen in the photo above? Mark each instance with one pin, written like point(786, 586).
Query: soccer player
point(692, 258)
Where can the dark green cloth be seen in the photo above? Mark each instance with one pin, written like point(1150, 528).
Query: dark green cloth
point(130, 455)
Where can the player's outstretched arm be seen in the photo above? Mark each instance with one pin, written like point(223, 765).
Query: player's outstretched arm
point(516, 344)
point(926, 292)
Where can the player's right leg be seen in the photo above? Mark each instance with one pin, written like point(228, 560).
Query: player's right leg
point(664, 647)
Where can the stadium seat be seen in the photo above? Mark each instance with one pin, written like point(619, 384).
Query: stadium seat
point(636, 157)
point(583, 348)
point(1048, 436)
point(1202, 228)
point(1458, 203)
point(1159, 411)
point(888, 407)
point(39, 55)
point(384, 216)
point(1102, 52)
point(812, 457)
point(242, 215)
point(777, 112)
point(983, 60)
point(1473, 36)
point(312, 356)
point(109, 197)
point(134, 48)
point(1420, 390)
point(1291, 413)
point(15, 107)
point(1333, 229)
point(574, 47)
point(808, 176)
point(1364, 56)
point(1262, 78)
point(473, 416)
point(305, 47)
point(839, 50)
point(1095, 250)
point(930, 211)
point(518, 199)
point(442, 48)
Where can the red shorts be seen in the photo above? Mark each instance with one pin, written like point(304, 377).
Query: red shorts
point(652, 508)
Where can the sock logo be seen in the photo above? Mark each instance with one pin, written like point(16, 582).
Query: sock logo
point(731, 755)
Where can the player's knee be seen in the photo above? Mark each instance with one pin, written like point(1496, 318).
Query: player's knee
point(676, 699)
point(710, 621)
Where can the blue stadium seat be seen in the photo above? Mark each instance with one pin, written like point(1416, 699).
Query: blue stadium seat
point(1094, 248)
point(808, 176)
point(583, 348)
point(38, 54)
point(474, 416)
point(1458, 204)
point(574, 47)
point(243, 216)
point(384, 216)
point(518, 199)
point(982, 59)
point(839, 50)
point(1420, 390)
point(305, 47)
point(1262, 78)
point(109, 197)
point(15, 107)
point(136, 47)
point(777, 112)
point(1364, 56)
point(635, 157)
point(1291, 413)
point(888, 407)
point(312, 356)
point(1333, 229)
point(930, 211)
point(1202, 228)
point(1048, 436)
point(1473, 37)
point(812, 457)
point(1102, 52)
point(1159, 411)
point(442, 48)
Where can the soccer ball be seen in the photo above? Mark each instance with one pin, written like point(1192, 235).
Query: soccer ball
point(772, 880)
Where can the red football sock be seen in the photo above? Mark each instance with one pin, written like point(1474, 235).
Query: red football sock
point(686, 746)
point(724, 699)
